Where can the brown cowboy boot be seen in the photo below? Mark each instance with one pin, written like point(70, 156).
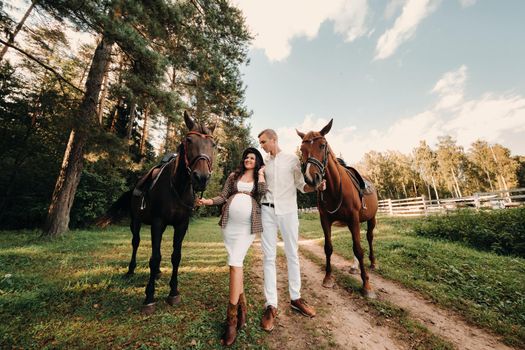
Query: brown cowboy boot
point(241, 313)
point(231, 325)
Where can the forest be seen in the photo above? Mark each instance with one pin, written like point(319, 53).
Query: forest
point(92, 95)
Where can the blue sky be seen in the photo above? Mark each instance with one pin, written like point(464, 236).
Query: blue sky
point(390, 73)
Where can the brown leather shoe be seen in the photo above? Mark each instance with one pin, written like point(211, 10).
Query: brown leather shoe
point(268, 318)
point(302, 306)
point(231, 325)
point(241, 312)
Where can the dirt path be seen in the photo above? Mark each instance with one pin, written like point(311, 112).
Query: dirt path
point(444, 323)
point(340, 322)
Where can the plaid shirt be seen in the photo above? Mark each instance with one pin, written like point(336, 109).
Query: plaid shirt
point(226, 196)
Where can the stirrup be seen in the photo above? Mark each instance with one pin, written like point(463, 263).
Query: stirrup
point(363, 203)
point(143, 204)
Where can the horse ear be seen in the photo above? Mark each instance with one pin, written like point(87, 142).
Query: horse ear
point(301, 134)
point(327, 128)
point(189, 122)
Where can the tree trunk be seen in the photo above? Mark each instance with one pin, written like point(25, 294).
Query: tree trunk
point(458, 191)
point(404, 189)
point(144, 131)
point(12, 36)
point(132, 108)
point(435, 189)
point(57, 221)
point(103, 96)
point(490, 181)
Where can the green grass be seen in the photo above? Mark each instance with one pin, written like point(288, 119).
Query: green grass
point(486, 288)
point(71, 293)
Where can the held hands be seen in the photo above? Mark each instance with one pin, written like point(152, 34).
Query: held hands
point(203, 201)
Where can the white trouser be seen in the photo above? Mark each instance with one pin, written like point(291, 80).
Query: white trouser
point(288, 224)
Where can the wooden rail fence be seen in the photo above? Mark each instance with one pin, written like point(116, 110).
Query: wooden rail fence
point(422, 206)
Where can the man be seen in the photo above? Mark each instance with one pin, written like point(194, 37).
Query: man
point(279, 212)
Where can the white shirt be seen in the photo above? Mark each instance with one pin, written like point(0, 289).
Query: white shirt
point(283, 177)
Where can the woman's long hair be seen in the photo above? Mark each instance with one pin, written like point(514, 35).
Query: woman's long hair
point(241, 169)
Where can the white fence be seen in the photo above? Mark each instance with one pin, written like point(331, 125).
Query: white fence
point(422, 206)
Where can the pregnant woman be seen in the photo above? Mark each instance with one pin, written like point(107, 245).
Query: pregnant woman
point(240, 221)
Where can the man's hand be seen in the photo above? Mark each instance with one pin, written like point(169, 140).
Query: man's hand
point(321, 186)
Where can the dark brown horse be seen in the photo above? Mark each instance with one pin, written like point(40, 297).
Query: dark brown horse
point(170, 201)
point(341, 201)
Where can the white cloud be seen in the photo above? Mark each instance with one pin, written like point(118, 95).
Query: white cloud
point(450, 88)
point(467, 3)
point(492, 117)
point(275, 23)
point(414, 11)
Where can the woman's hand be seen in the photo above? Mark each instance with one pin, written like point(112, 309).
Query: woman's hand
point(261, 171)
point(203, 201)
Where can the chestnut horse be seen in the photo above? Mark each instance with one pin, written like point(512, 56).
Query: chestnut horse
point(170, 201)
point(341, 201)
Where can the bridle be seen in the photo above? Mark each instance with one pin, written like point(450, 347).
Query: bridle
point(311, 160)
point(321, 165)
point(189, 165)
point(201, 156)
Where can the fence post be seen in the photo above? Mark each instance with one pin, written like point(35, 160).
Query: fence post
point(390, 209)
point(424, 204)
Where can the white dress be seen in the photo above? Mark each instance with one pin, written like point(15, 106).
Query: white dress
point(237, 233)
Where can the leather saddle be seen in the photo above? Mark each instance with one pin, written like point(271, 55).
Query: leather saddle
point(149, 180)
point(363, 185)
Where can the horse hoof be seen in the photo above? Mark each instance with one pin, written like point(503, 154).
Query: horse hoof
point(328, 282)
point(369, 294)
point(373, 267)
point(173, 300)
point(129, 274)
point(354, 270)
point(148, 309)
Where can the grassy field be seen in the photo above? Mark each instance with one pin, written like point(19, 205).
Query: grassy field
point(71, 293)
point(487, 289)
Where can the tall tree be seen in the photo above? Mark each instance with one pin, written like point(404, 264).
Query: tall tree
point(450, 158)
point(12, 35)
point(427, 166)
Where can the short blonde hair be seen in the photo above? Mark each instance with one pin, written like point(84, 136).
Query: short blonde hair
point(270, 133)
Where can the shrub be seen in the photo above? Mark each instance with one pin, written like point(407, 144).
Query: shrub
point(502, 232)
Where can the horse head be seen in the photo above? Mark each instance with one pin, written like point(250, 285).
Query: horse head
point(199, 152)
point(314, 154)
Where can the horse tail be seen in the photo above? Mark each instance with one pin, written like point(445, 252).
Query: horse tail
point(117, 211)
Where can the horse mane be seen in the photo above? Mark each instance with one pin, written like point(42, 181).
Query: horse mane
point(180, 168)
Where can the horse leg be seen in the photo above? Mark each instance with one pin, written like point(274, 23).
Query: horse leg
point(354, 269)
point(178, 237)
point(358, 252)
point(135, 242)
point(370, 237)
point(157, 229)
point(328, 281)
